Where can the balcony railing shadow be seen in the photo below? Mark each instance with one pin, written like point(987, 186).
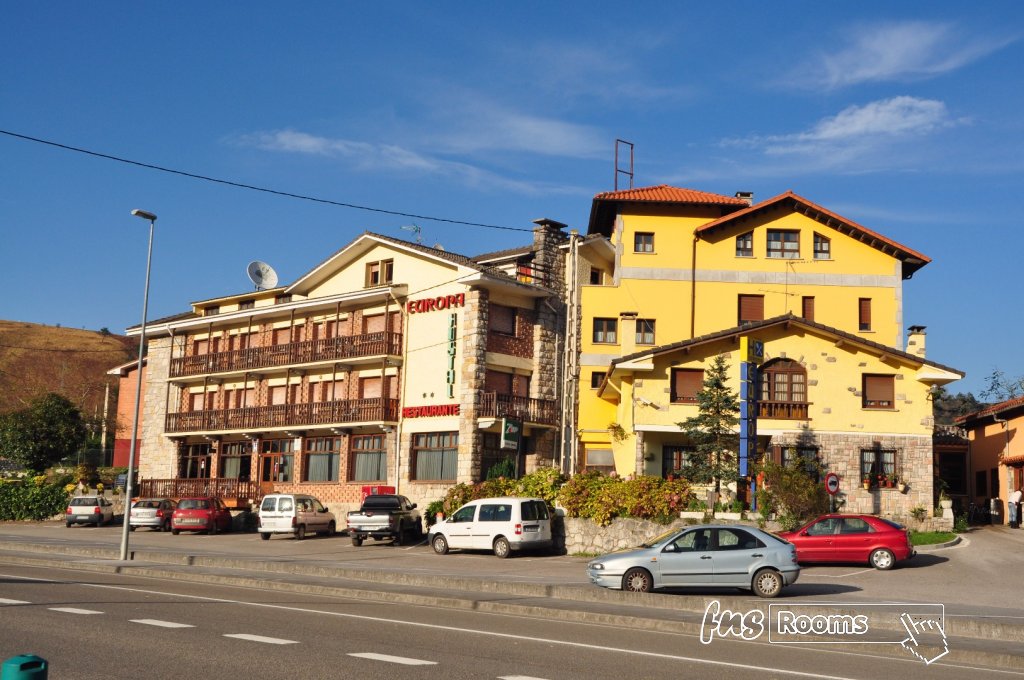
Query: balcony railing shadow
point(284, 415)
point(527, 409)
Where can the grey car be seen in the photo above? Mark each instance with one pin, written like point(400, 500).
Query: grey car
point(706, 556)
point(154, 513)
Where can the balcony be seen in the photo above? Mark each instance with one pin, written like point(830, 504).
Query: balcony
point(782, 410)
point(383, 343)
point(539, 411)
point(234, 492)
point(323, 413)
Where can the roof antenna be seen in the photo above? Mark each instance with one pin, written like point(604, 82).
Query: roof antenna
point(622, 171)
point(415, 228)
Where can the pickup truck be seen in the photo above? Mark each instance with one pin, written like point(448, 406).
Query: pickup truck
point(385, 516)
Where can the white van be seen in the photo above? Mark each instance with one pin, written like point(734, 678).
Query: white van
point(503, 525)
point(293, 513)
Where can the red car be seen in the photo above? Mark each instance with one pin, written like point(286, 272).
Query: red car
point(851, 538)
point(201, 514)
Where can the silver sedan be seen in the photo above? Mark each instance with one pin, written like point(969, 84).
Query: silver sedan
point(707, 556)
point(154, 513)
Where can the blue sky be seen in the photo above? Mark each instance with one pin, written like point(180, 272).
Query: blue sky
point(904, 117)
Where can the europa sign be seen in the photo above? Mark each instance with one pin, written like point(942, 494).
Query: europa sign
point(435, 304)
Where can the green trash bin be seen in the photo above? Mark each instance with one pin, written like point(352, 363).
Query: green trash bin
point(24, 667)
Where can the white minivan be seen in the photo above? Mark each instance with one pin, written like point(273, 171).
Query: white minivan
point(293, 513)
point(502, 525)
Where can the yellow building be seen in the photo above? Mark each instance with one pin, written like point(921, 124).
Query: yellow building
point(996, 454)
point(672, 277)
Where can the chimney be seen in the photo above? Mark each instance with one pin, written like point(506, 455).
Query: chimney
point(915, 341)
point(746, 196)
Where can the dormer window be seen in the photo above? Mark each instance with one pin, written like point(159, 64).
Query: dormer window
point(745, 245)
point(211, 311)
point(822, 247)
point(246, 304)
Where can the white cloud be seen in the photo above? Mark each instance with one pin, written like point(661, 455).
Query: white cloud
point(900, 51)
point(482, 127)
point(390, 158)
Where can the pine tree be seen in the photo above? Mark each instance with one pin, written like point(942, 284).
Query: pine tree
point(713, 431)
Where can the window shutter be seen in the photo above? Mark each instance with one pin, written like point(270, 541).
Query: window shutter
point(686, 383)
point(369, 388)
point(496, 381)
point(502, 319)
point(373, 324)
point(879, 389)
point(865, 314)
point(751, 308)
point(808, 311)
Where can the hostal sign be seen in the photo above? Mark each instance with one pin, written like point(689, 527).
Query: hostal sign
point(437, 304)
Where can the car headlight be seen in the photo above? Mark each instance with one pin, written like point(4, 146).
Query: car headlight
point(596, 566)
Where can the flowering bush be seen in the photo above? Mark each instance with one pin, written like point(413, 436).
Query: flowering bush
point(543, 483)
point(603, 498)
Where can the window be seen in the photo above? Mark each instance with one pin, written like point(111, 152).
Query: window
point(643, 242)
point(321, 457)
point(784, 244)
point(281, 299)
point(277, 460)
point(246, 304)
point(807, 310)
point(876, 462)
point(194, 461)
point(599, 459)
point(864, 314)
point(751, 308)
point(435, 456)
point(502, 320)
point(379, 273)
point(645, 331)
point(745, 245)
point(784, 380)
point(674, 459)
point(200, 347)
point(281, 336)
point(369, 459)
point(605, 331)
point(596, 378)
point(370, 388)
point(807, 455)
point(879, 391)
point(686, 383)
point(596, 277)
point(496, 513)
point(235, 461)
point(822, 248)
point(211, 311)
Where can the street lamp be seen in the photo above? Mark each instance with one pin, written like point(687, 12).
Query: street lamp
point(129, 486)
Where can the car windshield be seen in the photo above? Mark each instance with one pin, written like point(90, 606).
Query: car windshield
point(661, 539)
point(194, 504)
point(84, 501)
point(894, 525)
point(147, 504)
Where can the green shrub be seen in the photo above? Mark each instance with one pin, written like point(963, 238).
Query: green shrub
point(793, 493)
point(430, 513)
point(919, 512)
point(603, 498)
point(33, 500)
point(543, 483)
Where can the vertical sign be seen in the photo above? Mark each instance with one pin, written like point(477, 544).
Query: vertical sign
point(450, 377)
point(511, 431)
point(751, 355)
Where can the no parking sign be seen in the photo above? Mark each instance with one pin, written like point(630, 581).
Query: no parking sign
point(832, 483)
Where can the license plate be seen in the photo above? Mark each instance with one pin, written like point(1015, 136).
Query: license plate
point(531, 529)
point(191, 520)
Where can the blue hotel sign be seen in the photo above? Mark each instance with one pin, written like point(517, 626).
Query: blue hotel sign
point(751, 355)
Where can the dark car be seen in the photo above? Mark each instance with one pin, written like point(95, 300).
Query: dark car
point(201, 514)
point(851, 538)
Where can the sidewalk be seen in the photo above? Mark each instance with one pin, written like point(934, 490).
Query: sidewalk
point(990, 641)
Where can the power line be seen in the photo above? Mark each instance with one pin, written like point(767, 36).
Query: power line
point(65, 349)
point(252, 187)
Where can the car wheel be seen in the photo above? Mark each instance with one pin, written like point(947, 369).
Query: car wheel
point(440, 545)
point(131, 528)
point(166, 526)
point(300, 532)
point(767, 583)
point(356, 541)
point(265, 535)
point(501, 547)
point(330, 529)
point(175, 531)
point(882, 559)
point(637, 580)
point(399, 535)
point(213, 528)
point(68, 524)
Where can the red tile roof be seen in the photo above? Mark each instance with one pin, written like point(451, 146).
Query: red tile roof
point(664, 193)
point(992, 410)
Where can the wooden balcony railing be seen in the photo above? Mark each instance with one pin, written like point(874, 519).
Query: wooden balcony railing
point(328, 349)
point(234, 492)
point(285, 415)
point(541, 411)
point(782, 410)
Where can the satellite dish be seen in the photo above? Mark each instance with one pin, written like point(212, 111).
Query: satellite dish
point(262, 274)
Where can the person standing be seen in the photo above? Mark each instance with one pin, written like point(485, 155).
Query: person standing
point(1013, 506)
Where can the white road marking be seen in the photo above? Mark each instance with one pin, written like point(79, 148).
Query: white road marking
point(852, 573)
point(394, 659)
point(523, 638)
point(73, 610)
point(6, 601)
point(260, 638)
point(162, 624)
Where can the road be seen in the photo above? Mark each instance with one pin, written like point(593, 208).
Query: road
point(98, 625)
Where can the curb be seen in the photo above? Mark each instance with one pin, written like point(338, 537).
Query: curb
point(933, 547)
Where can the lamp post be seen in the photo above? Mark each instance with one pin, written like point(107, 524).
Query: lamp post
point(129, 486)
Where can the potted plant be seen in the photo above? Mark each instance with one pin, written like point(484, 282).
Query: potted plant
point(867, 482)
point(901, 485)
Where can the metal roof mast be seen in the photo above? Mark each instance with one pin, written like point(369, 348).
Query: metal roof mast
point(620, 171)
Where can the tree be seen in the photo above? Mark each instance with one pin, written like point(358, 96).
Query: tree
point(948, 407)
point(1000, 387)
point(713, 430)
point(39, 436)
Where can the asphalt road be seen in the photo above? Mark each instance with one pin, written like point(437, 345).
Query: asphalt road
point(102, 625)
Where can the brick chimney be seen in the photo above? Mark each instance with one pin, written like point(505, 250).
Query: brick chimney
point(916, 341)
